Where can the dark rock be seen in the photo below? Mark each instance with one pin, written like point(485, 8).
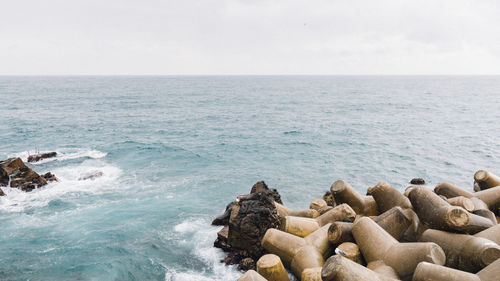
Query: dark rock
point(41, 156)
point(261, 186)
point(222, 238)
point(417, 181)
point(246, 264)
point(224, 218)
point(91, 176)
point(1, 192)
point(250, 218)
point(247, 220)
point(232, 258)
point(329, 199)
point(49, 177)
point(19, 175)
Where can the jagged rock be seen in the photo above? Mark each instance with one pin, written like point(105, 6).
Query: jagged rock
point(224, 218)
point(41, 156)
point(221, 241)
point(247, 220)
point(417, 181)
point(91, 175)
point(251, 216)
point(49, 177)
point(19, 175)
point(261, 186)
point(1, 192)
point(246, 264)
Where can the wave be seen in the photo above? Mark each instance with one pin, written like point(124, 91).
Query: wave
point(68, 186)
point(63, 154)
point(202, 236)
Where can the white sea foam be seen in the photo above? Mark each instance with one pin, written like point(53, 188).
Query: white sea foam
point(67, 186)
point(63, 154)
point(201, 244)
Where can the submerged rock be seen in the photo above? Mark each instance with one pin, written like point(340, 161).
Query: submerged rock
point(417, 181)
point(49, 177)
point(91, 176)
point(248, 219)
point(15, 173)
point(41, 156)
point(1, 192)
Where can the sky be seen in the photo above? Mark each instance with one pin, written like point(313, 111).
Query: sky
point(223, 37)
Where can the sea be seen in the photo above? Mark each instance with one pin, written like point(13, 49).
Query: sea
point(175, 150)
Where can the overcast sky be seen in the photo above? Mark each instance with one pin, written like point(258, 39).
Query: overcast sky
point(249, 37)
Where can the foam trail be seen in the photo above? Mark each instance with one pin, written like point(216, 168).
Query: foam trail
point(68, 185)
point(63, 154)
point(202, 247)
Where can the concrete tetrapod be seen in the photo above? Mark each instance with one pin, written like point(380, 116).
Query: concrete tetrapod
point(461, 201)
point(306, 213)
point(464, 252)
point(339, 268)
point(486, 179)
point(345, 193)
point(298, 253)
point(427, 271)
point(395, 222)
point(492, 233)
point(383, 270)
point(387, 197)
point(490, 196)
point(376, 244)
point(304, 226)
point(252, 275)
point(317, 204)
point(340, 232)
point(350, 251)
point(311, 274)
point(438, 214)
point(271, 268)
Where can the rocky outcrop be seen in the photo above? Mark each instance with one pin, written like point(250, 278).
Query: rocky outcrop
point(14, 173)
point(417, 181)
point(49, 177)
point(41, 156)
point(248, 219)
point(91, 176)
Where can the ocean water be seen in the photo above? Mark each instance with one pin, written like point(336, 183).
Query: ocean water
point(175, 150)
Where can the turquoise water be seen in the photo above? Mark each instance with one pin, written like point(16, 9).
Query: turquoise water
point(175, 150)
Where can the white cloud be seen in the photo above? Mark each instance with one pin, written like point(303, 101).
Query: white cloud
point(250, 37)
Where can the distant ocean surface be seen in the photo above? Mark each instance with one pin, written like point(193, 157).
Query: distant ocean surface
point(175, 150)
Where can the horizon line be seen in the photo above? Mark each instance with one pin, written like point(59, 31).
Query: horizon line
point(213, 75)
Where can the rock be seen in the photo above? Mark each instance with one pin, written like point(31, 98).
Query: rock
point(246, 264)
point(41, 156)
point(91, 175)
point(247, 220)
point(49, 177)
point(261, 186)
point(224, 218)
point(250, 218)
point(329, 199)
point(1, 192)
point(221, 241)
point(417, 181)
point(20, 175)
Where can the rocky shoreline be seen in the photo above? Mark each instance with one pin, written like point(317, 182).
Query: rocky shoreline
point(14, 173)
point(443, 233)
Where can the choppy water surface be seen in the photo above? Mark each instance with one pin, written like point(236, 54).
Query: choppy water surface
point(175, 150)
